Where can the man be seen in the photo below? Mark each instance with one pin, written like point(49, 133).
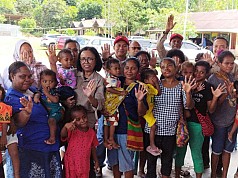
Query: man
point(219, 44)
point(121, 46)
point(134, 48)
point(175, 39)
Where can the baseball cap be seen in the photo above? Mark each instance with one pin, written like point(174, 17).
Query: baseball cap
point(121, 38)
point(176, 35)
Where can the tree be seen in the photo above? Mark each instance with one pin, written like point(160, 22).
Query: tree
point(7, 6)
point(24, 7)
point(89, 10)
point(2, 19)
point(27, 25)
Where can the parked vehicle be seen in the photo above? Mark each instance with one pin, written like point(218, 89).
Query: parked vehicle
point(48, 39)
point(189, 49)
point(61, 40)
point(94, 41)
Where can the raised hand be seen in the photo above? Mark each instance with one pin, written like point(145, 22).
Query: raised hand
point(88, 90)
point(200, 87)
point(207, 57)
point(170, 24)
point(71, 125)
point(106, 51)
point(219, 90)
point(51, 54)
point(141, 92)
point(153, 60)
point(25, 57)
point(188, 84)
point(27, 104)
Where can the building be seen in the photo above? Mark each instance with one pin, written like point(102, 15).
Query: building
point(217, 23)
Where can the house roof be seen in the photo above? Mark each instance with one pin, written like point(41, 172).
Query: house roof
point(91, 23)
point(215, 21)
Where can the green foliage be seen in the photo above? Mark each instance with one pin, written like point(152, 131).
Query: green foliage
point(24, 7)
point(70, 32)
point(7, 6)
point(52, 32)
point(27, 25)
point(89, 10)
point(90, 32)
point(2, 19)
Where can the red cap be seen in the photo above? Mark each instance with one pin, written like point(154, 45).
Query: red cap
point(176, 35)
point(121, 38)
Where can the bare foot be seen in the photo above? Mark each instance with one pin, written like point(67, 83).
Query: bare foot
point(50, 141)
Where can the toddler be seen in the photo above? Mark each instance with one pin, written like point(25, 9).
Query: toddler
point(148, 76)
point(114, 96)
point(82, 142)
point(48, 96)
point(66, 73)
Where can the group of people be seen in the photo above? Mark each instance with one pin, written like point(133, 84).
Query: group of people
point(59, 122)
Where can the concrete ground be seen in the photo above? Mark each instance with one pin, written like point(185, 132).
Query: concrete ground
point(189, 166)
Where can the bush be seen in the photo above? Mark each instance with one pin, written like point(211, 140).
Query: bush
point(27, 25)
point(90, 32)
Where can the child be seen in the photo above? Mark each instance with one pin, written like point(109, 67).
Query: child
point(50, 100)
point(187, 69)
point(66, 73)
point(9, 141)
point(82, 143)
point(114, 97)
point(148, 76)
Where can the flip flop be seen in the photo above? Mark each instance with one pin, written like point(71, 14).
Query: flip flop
point(156, 152)
point(184, 173)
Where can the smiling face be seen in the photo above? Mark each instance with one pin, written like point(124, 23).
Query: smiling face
point(81, 119)
point(130, 70)
point(218, 45)
point(176, 43)
point(200, 73)
point(22, 80)
point(168, 68)
point(121, 49)
point(144, 61)
point(87, 61)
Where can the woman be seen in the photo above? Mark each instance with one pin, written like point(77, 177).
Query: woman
point(24, 52)
point(205, 100)
point(133, 107)
point(36, 157)
point(92, 98)
point(167, 108)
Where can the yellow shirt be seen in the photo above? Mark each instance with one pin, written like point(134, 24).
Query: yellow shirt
point(149, 117)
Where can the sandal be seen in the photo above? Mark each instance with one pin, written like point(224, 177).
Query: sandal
point(184, 173)
point(155, 152)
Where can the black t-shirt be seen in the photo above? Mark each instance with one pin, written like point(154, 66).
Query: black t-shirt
point(200, 98)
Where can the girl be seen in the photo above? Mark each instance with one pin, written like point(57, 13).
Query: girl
point(50, 99)
point(223, 117)
point(114, 96)
point(148, 76)
point(167, 108)
point(205, 100)
point(82, 143)
point(66, 73)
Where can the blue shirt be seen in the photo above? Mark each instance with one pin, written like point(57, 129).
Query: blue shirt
point(36, 131)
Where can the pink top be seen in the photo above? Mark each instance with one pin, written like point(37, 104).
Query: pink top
point(77, 156)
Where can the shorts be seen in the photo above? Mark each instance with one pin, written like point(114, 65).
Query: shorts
point(11, 139)
point(112, 120)
point(57, 115)
point(220, 140)
point(122, 156)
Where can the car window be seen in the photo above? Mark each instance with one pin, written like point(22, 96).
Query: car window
point(189, 46)
point(96, 42)
point(106, 41)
